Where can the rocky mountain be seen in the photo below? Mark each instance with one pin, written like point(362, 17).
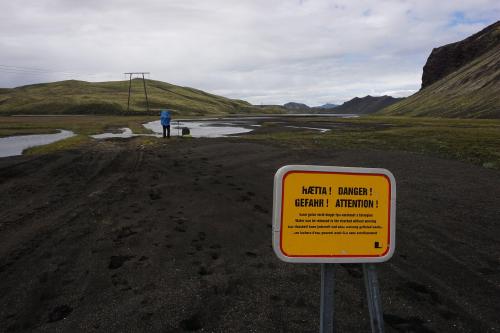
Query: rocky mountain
point(460, 80)
point(446, 59)
point(366, 105)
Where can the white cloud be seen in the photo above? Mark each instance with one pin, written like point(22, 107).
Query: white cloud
point(262, 51)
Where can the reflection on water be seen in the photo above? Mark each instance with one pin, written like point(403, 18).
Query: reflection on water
point(199, 129)
point(14, 145)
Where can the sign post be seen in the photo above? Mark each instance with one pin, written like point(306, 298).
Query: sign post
point(330, 215)
point(327, 298)
point(373, 296)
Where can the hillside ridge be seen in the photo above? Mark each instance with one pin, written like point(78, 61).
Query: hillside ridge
point(111, 97)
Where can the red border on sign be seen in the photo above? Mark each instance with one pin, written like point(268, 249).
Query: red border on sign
point(329, 255)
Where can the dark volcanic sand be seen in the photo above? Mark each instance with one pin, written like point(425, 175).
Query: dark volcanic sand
point(177, 237)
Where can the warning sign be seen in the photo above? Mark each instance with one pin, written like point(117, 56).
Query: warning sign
point(334, 214)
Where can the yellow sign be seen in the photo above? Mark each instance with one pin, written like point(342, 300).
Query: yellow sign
point(334, 214)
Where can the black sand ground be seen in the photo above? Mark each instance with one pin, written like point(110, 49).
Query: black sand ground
point(177, 237)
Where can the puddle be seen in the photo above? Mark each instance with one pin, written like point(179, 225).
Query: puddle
point(322, 130)
point(199, 129)
point(126, 133)
point(14, 145)
point(287, 115)
point(334, 115)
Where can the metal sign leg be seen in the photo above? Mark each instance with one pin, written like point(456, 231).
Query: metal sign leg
point(327, 298)
point(373, 296)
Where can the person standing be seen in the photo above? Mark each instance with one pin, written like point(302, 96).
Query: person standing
point(165, 123)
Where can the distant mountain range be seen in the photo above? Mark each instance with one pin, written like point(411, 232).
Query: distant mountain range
point(460, 80)
point(366, 105)
point(357, 105)
point(293, 107)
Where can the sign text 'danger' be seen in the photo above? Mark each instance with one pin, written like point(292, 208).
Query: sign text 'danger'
point(334, 214)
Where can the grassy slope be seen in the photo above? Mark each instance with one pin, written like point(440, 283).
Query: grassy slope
point(79, 97)
point(472, 91)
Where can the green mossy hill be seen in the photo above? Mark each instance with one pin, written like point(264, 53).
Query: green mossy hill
point(80, 97)
point(471, 91)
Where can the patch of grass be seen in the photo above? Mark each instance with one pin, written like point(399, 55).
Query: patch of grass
point(69, 143)
point(474, 141)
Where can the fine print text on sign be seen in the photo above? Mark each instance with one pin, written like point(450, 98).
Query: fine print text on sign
point(327, 214)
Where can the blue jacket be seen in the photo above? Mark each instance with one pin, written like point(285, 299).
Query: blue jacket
point(165, 118)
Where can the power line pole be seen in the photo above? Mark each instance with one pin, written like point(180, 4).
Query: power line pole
point(130, 87)
point(145, 92)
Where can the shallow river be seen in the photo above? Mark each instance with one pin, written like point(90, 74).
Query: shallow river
point(14, 145)
point(208, 128)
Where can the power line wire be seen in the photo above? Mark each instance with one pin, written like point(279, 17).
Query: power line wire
point(31, 70)
point(25, 72)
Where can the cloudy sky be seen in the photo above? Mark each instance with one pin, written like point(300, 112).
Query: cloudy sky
point(262, 51)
